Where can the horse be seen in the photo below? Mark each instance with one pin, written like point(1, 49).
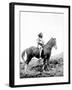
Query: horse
point(34, 52)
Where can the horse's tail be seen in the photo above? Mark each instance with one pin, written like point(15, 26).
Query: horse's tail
point(24, 56)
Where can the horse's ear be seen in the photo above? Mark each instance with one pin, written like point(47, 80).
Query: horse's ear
point(54, 38)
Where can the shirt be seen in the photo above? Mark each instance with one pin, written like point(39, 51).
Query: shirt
point(40, 41)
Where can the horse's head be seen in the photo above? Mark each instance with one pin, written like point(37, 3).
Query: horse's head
point(55, 44)
point(52, 43)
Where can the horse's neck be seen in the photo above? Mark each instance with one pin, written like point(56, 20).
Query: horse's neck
point(48, 47)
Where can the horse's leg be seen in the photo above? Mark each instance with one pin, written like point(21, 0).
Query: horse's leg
point(48, 58)
point(44, 64)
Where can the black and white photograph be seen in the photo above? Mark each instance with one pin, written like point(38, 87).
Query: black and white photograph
point(41, 43)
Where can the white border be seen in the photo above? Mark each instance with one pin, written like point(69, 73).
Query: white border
point(24, 81)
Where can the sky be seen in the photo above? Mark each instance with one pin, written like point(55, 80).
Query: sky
point(51, 24)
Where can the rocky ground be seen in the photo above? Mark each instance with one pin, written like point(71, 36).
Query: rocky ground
point(35, 68)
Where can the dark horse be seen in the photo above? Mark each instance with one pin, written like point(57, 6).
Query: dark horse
point(34, 52)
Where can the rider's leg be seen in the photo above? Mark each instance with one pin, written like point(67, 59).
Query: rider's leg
point(40, 51)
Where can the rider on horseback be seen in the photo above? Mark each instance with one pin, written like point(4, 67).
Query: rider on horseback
point(40, 42)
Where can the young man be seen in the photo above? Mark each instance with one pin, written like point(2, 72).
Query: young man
point(40, 42)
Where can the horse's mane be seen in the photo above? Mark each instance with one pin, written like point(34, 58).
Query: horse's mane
point(48, 44)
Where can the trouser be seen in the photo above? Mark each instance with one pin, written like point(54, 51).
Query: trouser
point(40, 49)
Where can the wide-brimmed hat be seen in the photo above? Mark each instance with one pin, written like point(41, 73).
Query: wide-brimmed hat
point(40, 34)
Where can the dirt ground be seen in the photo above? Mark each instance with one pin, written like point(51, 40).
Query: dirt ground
point(35, 68)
